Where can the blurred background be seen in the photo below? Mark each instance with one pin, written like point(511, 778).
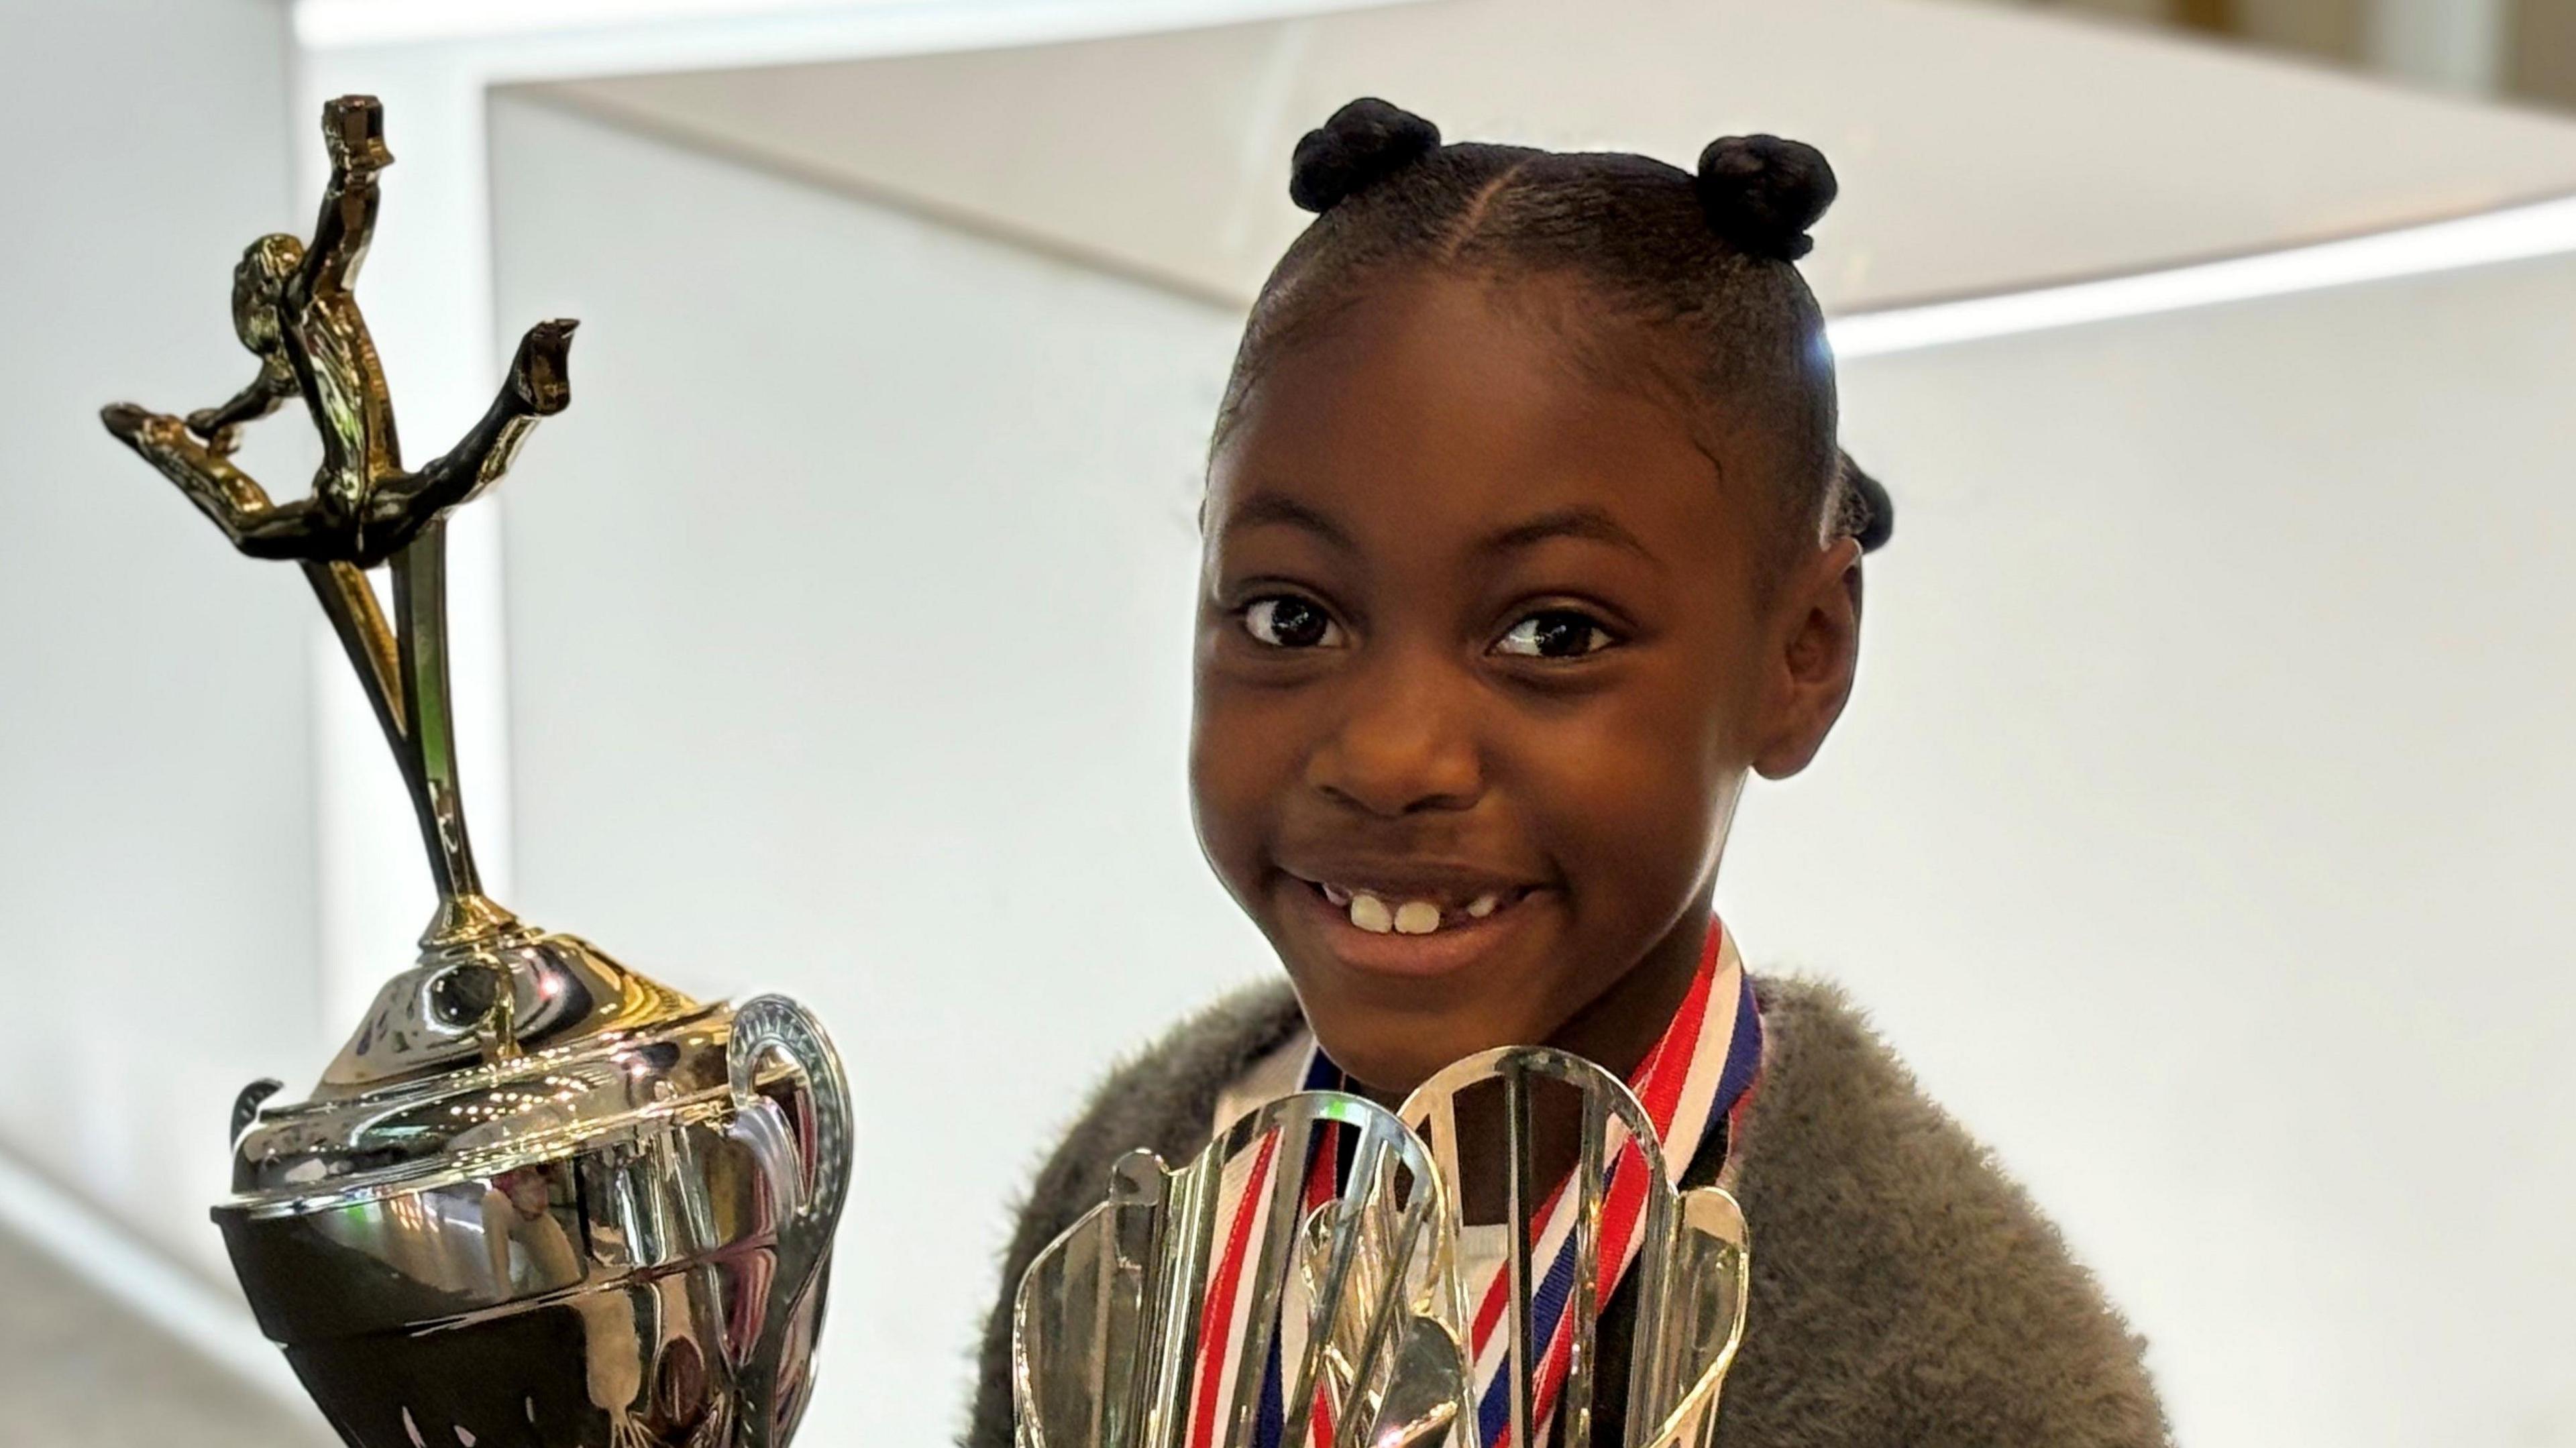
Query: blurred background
point(2199, 831)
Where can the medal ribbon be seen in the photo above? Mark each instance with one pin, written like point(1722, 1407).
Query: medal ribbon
point(1702, 1070)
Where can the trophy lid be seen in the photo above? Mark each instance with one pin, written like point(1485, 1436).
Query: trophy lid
point(508, 1046)
point(490, 991)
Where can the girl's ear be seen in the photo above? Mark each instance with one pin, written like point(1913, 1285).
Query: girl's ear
point(1816, 651)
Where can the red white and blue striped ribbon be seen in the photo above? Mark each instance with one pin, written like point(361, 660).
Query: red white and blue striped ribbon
point(1243, 1190)
point(1702, 1071)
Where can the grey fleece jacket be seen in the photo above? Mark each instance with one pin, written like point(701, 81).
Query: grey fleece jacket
point(1905, 1292)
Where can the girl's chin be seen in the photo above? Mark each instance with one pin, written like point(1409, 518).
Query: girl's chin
point(1390, 1050)
point(1385, 1068)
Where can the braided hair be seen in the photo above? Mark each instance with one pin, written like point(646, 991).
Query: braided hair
point(1705, 261)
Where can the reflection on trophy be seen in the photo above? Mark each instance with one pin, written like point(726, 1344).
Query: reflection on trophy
point(1284, 1291)
point(537, 1199)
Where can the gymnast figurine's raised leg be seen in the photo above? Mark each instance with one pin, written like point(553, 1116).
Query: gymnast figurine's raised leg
point(538, 386)
point(232, 498)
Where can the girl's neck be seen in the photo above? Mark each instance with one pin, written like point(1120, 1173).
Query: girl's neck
point(1623, 1023)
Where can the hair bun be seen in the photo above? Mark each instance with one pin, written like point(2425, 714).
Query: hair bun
point(1762, 192)
point(1869, 514)
point(1365, 142)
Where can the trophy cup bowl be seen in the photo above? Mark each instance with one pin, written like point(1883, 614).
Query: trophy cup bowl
point(539, 1200)
point(619, 1240)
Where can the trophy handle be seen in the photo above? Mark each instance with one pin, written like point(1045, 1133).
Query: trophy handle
point(1713, 1280)
point(805, 1167)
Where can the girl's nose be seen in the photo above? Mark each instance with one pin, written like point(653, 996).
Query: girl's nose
point(1405, 744)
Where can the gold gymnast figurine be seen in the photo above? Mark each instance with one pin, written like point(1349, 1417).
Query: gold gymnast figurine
point(294, 310)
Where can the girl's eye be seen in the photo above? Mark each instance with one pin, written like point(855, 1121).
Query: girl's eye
point(1290, 622)
point(1555, 633)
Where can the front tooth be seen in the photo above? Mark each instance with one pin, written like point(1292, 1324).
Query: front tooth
point(1337, 895)
point(1416, 917)
point(1483, 905)
point(1369, 913)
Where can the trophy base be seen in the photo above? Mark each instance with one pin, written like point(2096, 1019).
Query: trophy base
point(640, 1365)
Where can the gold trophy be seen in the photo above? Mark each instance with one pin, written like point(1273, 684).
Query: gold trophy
point(1113, 1322)
point(538, 1200)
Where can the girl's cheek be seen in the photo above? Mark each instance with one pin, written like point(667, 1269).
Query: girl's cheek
point(1234, 791)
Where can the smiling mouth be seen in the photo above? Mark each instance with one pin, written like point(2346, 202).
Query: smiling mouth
point(1386, 910)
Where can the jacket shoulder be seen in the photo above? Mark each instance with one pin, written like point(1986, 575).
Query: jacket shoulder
point(1160, 1099)
point(1906, 1290)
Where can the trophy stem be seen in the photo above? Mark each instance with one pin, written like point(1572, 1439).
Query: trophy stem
point(404, 671)
point(350, 603)
point(420, 602)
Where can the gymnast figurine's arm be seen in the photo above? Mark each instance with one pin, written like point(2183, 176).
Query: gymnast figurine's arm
point(259, 288)
point(221, 426)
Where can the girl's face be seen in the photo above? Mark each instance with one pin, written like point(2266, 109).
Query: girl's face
point(1483, 657)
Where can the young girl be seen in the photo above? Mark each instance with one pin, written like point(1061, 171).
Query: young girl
point(1527, 540)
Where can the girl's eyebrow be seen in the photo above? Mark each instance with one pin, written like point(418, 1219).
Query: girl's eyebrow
point(1582, 521)
point(1272, 510)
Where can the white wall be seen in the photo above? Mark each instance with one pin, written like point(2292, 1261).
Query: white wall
point(848, 657)
point(2200, 830)
point(156, 813)
point(2196, 829)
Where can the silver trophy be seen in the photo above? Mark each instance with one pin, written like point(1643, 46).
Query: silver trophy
point(539, 1200)
point(1118, 1342)
point(1692, 1274)
point(1110, 1320)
